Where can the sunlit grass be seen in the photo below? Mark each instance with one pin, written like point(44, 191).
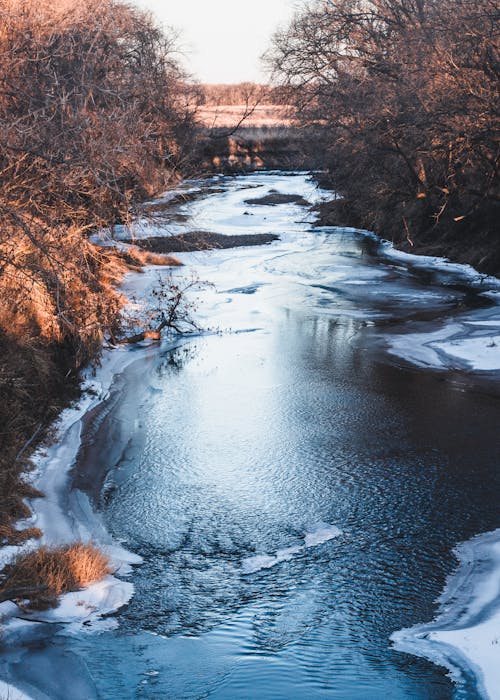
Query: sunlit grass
point(40, 576)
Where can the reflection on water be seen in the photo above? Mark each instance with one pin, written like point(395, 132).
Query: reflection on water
point(295, 498)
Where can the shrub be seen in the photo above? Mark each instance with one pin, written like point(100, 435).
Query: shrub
point(42, 575)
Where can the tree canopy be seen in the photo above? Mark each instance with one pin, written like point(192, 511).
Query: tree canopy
point(406, 95)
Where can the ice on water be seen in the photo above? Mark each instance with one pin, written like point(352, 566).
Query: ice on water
point(319, 534)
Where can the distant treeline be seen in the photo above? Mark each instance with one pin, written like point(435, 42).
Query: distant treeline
point(95, 114)
point(406, 94)
point(242, 94)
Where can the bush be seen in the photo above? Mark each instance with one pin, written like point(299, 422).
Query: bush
point(95, 115)
point(42, 575)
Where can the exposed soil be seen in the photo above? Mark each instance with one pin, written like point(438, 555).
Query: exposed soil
point(275, 198)
point(202, 240)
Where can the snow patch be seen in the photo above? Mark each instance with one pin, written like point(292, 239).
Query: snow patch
point(10, 692)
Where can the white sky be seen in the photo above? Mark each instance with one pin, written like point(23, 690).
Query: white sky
point(223, 39)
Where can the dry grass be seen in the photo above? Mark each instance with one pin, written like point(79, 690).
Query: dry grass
point(14, 536)
point(42, 575)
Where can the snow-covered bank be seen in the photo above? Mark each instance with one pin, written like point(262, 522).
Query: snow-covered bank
point(468, 340)
point(466, 632)
point(66, 516)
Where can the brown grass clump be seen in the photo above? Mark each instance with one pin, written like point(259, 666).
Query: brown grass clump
point(20, 536)
point(42, 575)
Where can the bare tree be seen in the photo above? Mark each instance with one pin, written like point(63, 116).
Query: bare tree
point(406, 94)
point(94, 114)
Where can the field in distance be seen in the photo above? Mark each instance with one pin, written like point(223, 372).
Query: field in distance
point(260, 106)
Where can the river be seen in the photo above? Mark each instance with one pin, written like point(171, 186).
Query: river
point(294, 482)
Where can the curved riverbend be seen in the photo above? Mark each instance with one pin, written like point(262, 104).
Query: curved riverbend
point(296, 478)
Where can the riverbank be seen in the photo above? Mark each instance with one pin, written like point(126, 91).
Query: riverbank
point(468, 242)
point(64, 517)
point(40, 378)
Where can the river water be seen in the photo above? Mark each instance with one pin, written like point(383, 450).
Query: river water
point(294, 489)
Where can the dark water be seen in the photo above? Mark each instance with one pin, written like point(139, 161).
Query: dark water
point(248, 442)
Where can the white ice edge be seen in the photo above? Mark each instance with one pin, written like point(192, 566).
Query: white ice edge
point(472, 343)
point(472, 339)
point(467, 272)
point(466, 631)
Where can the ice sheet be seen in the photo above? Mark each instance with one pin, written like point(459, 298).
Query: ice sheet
point(466, 631)
point(9, 692)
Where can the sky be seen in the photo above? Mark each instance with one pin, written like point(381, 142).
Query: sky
point(223, 39)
